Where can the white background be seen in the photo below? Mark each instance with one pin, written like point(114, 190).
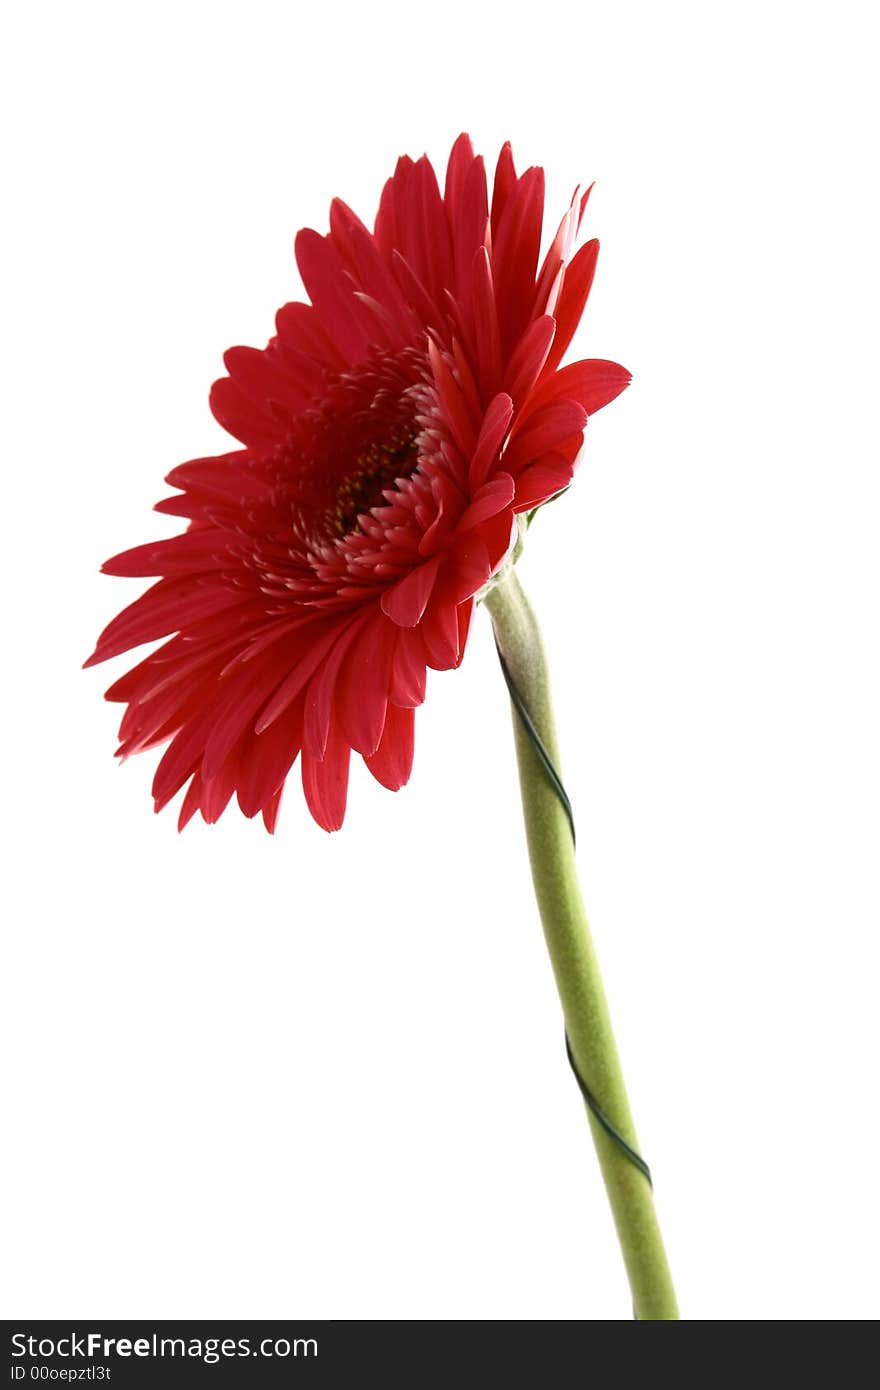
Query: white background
point(324, 1075)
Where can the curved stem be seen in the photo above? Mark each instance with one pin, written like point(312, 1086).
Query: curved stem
point(587, 1021)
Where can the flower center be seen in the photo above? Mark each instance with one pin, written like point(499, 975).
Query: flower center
point(376, 469)
point(351, 447)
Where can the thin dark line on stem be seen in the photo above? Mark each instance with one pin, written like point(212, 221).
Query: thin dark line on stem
point(556, 783)
point(602, 1119)
point(538, 744)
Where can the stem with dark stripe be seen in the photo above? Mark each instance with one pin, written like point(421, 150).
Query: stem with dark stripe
point(587, 1021)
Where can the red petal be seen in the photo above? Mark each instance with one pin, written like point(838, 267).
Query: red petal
point(319, 645)
point(531, 354)
point(417, 296)
point(182, 757)
point(544, 430)
point(227, 476)
point(540, 482)
point(325, 781)
point(473, 565)
point(391, 764)
point(487, 334)
point(408, 675)
point(191, 553)
point(343, 224)
point(168, 606)
point(440, 633)
point(406, 601)
point(572, 298)
point(269, 758)
point(488, 500)
point(470, 229)
point(364, 684)
point(217, 793)
point(491, 437)
point(191, 802)
point(498, 534)
point(435, 264)
point(241, 697)
point(270, 812)
point(299, 329)
point(505, 183)
point(515, 247)
point(323, 274)
point(263, 380)
point(593, 382)
point(232, 409)
point(378, 281)
point(465, 613)
point(461, 157)
point(452, 401)
point(320, 695)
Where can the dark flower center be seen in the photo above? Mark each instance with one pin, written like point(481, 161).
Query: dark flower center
point(348, 450)
point(375, 470)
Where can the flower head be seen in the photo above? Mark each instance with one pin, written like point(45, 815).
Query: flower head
point(392, 430)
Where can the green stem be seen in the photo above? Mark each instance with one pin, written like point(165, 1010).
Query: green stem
point(573, 957)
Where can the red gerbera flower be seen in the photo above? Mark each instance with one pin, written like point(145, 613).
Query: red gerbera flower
point(392, 430)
